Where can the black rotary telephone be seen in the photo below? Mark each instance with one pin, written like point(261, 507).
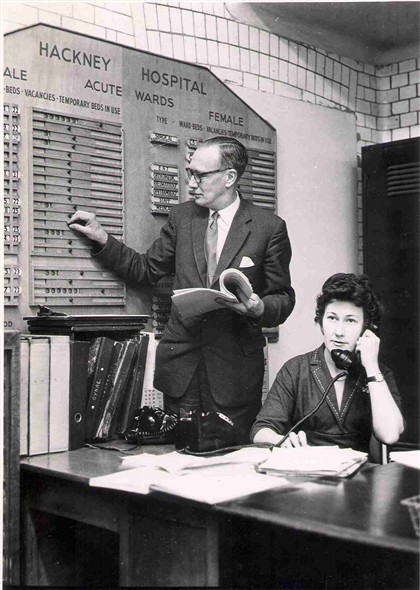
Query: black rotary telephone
point(198, 431)
point(152, 425)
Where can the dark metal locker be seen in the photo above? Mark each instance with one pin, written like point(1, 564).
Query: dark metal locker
point(391, 183)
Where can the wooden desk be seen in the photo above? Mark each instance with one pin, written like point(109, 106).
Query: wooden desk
point(76, 535)
point(353, 535)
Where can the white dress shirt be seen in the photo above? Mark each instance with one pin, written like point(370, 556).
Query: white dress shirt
point(224, 222)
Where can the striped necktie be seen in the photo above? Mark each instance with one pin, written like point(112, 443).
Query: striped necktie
point(210, 247)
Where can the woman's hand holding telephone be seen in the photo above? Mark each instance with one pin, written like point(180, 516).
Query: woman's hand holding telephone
point(368, 348)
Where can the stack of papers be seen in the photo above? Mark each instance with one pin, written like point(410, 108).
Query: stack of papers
point(226, 477)
point(225, 483)
point(408, 458)
point(203, 479)
point(178, 463)
point(328, 461)
point(137, 481)
point(222, 484)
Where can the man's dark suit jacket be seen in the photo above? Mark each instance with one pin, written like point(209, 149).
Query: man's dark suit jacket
point(231, 344)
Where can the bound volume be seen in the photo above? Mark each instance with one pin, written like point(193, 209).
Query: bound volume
point(51, 323)
point(72, 391)
point(116, 389)
point(234, 288)
point(100, 356)
point(133, 398)
point(79, 391)
point(44, 394)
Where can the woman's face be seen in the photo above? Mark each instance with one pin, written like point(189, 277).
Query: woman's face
point(342, 325)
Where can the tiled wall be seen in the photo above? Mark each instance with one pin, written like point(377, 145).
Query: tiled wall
point(386, 99)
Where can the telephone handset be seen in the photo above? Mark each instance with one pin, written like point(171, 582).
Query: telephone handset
point(344, 359)
point(372, 327)
point(152, 425)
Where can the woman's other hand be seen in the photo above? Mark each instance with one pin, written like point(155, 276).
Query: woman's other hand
point(295, 440)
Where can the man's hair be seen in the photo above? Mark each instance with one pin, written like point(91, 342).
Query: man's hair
point(232, 153)
point(350, 287)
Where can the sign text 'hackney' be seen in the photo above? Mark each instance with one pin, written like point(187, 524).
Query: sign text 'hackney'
point(69, 55)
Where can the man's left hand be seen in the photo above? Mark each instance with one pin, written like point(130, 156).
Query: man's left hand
point(252, 307)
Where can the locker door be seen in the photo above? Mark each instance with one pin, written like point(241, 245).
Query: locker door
point(391, 182)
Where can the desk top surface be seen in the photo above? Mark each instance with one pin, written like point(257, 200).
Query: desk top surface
point(365, 508)
point(82, 464)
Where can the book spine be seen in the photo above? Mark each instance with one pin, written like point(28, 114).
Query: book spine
point(127, 398)
point(112, 368)
point(119, 382)
point(59, 393)
point(127, 371)
point(79, 356)
point(39, 389)
point(24, 396)
point(106, 346)
point(134, 397)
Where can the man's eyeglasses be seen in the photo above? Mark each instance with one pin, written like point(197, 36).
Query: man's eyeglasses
point(198, 176)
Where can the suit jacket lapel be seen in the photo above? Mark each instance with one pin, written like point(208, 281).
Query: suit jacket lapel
point(199, 227)
point(235, 239)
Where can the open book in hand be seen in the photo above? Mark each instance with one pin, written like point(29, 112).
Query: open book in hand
point(234, 288)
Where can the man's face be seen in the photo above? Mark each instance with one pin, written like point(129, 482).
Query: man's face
point(211, 191)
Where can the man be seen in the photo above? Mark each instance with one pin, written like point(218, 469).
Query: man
point(215, 361)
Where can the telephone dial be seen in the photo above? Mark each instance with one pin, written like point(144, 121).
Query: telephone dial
point(152, 425)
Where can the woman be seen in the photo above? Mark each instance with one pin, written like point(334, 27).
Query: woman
point(364, 401)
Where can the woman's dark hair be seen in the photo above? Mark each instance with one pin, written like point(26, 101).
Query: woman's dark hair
point(232, 153)
point(350, 287)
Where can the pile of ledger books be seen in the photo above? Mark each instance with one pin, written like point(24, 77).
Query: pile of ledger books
point(77, 390)
point(116, 372)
